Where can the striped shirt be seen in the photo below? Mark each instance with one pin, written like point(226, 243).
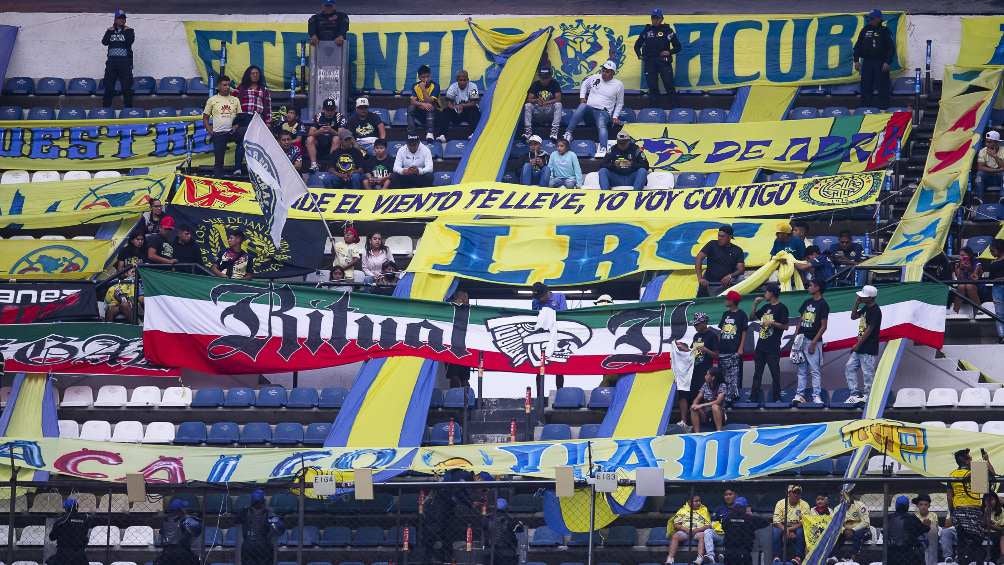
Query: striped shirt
point(256, 100)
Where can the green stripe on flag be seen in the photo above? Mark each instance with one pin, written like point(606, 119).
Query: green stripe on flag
point(845, 127)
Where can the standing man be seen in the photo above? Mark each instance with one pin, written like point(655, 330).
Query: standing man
point(70, 534)
point(233, 262)
point(966, 507)
point(731, 344)
point(258, 524)
point(930, 521)
point(740, 532)
point(603, 96)
point(412, 165)
point(864, 354)
point(874, 52)
point(160, 246)
point(176, 534)
point(903, 532)
point(150, 220)
point(656, 46)
point(328, 25)
point(544, 298)
point(462, 99)
point(704, 349)
point(725, 263)
point(989, 163)
point(812, 325)
point(218, 118)
point(773, 318)
point(118, 67)
point(624, 165)
point(543, 104)
point(785, 241)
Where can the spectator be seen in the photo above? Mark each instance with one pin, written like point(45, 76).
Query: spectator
point(874, 52)
point(374, 257)
point(543, 104)
point(773, 318)
point(133, 253)
point(800, 231)
point(121, 297)
point(968, 268)
point(740, 532)
point(378, 167)
point(602, 96)
point(731, 344)
point(70, 532)
point(822, 507)
point(847, 253)
point(903, 533)
point(462, 98)
point(563, 167)
point(784, 241)
point(233, 262)
point(788, 536)
point(291, 125)
point(704, 349)
point(388, 274)
point(930, 522)
point(255, 99)
point(819, 266)
point(425, 105)
point(725, 263)
point(864, 354)
point(716, 536)
point(811, 326)
point(656, 46)
point(544, 298)
point(624, 165)
point(321, 136)
point(989, 164)
point(186, 250)
point(160, 246)
point(118, 66)
point(219, 118)
point(292, 150)
point(366, 126)
point(689, 522)
point(176, 535)
point(347, 253)
point(856, 529)
point(412, 165)
point(150, 220)
point(337, 275)
point(535, 171)
point(994, 523)
point(459, 375)
point(966, 511)
point(328, 25)
point(347, 163)
point(996, 272)
point(259, 525)
point(709, 403)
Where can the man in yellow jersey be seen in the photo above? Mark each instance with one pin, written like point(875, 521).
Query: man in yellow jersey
point(965, 507)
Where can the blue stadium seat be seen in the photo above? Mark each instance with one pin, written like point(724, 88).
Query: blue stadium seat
point(436, 149)
point(525, 503)
point(818, 90)
point(383, 114)
point(454, 398)
point(163, 112)
point(40, 113)
point(138, 171)
point(335, 536)
point(217, 503)
point(849, 89)
point(190, 111)
point(143, 86)
point(569, 398)
point(628, 115)
point(803, 113)
point(239, 397)
point(904, 86)
point(838, 399)
point(368, 536)
point(72, 113)
point(230, 537)
point(284, 503)
point(50, 86)
point(979, 243)
point(589, 431)
point(208, 398)
point(196, 87)
point(735, 427)
point(825, 242)
point(408, 502)
point(101, 88)
point(81, 86)
point(823, 395)
point(436, 400)
point(712, 116)
point(223, 433)
point(787, 395)
point(132, 113)
point(621, 536)
point(722, 92)
point(393, 146)
point(682, 116)
point(455, 149)
point(320, 179)
point(400, 118)
point(578, 539)
point(440, 434)
point(101, 114)
point(865, 110)
point(190, 433)
point(271, 397)
point(293, 536)
point(172, 86)
point(509, 178)
point(212, 536)
point(821, 468)
point(584, 148)
point(784, 175)
point(287, 433)
point(442, 178)
point(689, 180)
point(256, 433)
point(545, 537)
point(394, 537)
point(331, 397)
point(987, 213)
point(316, 433)
point(744, 402)
point(601, 397)
point(862, 213)
point(9, 113)
point(19, 86)
point(657, 537)
point(652, 116)
point(840, 465)
point(555, 432)
point(520, 149)
point(834, 112)
point(300, 397)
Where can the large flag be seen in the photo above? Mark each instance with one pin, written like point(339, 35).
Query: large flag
point(235, 327)
point(276, 183)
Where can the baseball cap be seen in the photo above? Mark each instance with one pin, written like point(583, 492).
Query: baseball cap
point(167, 222)
point(69, 504)
point(993, 135)
point(657, 12)
point(329, 2)
point(623, 135)
point(544, 71)
point(177, 504)
point(501, 503)
point(345, 134)
point(535, 139)
point(922, 498)
point(734, 296)
point(868, 291)
point(610, 65)
point(329, 104)
point(700, 318)
point(782, 227)
point(120, 13)
point(876, 13)
point(412, 137)
point(794, 488)
point(741, 502)
point(258, 495)
point(363, 101)
point(604, 299)
point(902, 501)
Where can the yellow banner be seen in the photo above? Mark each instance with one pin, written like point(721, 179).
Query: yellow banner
point(519, 201)
point(70, 259)
point(718, 51)
point(71, 203)
point(849, 144)
point(982, 41)
point(522, 252)
point(65, 145)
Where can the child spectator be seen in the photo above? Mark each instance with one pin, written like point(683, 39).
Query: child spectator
point(424, 109)
point(709, 404)
point(233, 262)
point(379, 167)
point(291, 125)
point(563, 167)
point(121, 297)
point(535, 171)
point(820, 268)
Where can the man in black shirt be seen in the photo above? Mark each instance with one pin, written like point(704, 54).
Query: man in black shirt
point(704, 347)
point(365, 126)
point(321, 136)
point(70, 534)
point(160, 246)
point(233, 262)
point(176, 535)
point(328, 25)
point(731, 344)
point(812, 325)
point(186, 250)
point(118, 67)
point(874, 52)
point(740, 528)
point(656, 46)
point(773, 318)
point(624, 165)
point(259, 526)
point(864, 354)
point(846, 253)
point(543, 104)
point(903, 532)
point(379, 167)
point(725, 263)
point(347, 164)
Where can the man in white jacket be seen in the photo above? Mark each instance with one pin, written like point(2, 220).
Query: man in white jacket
point(603, 95)
point(412, 165)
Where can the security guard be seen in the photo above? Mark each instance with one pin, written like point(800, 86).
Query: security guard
point(656, 46)
point(258, 525)
point(70, 534)
point(118, 67)
point(874, 52)
point(176, 535)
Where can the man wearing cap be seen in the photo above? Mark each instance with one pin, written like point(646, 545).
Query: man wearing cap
point(874, 52)
point(233, 262)
point(118, 67)
point(347, 163)
point(160, 246)
point(656, 46)
point(864, 354)
point(930, 521)
point(218, 117)
point(321, 135)
point(773, 318)
point(731, 344)
point(814, 313)
point(784, 241)
point(624, 165)
point(543, 104)
point(535, 171)
point(704, 348)
point(787, 535)
point(902, 532)
point(462, 99)
point(259, 525)
point(989, 164)
point(176, 534)
point(602, 96)
point(69, 532)
point(347, 253)
point(365, 126)
point(328, 25)
point(740, 528)
point(412, 165)
point(726, 263)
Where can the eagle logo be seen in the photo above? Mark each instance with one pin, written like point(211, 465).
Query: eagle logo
point(666, 152)
point(517, 338)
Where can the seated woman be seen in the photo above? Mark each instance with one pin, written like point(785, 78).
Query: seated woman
point(967, 269)
point(709, 404)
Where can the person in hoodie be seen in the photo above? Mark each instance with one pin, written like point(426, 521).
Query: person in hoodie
point(874, 52)
point(624, 165)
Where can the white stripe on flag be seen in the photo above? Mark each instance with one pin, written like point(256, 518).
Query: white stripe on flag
point(276, 183)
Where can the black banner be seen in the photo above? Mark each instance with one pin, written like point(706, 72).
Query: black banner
point(299, 253)
point(22, 303)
